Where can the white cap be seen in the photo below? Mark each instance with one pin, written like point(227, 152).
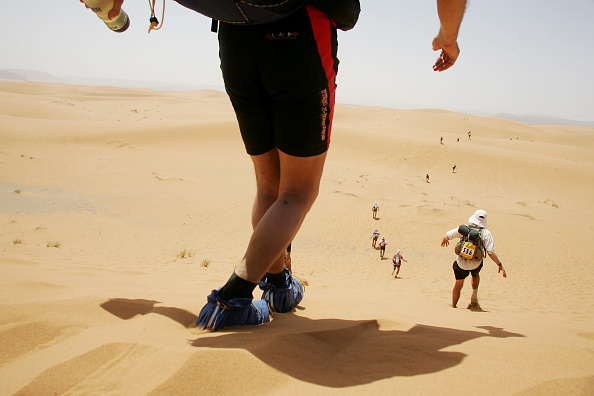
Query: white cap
point(479, 218)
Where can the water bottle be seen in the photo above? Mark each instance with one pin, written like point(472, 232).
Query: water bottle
point(102, 7)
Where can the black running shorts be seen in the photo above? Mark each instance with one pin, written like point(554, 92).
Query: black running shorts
point(280, 78)
point(460, 273)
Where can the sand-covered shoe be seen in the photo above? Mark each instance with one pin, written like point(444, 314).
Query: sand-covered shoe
point(474, 306)
point(218, 313)
point(284, 298)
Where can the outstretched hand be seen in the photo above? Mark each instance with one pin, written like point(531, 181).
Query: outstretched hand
point(445, 242)
point(449, 53)
point(502, 269)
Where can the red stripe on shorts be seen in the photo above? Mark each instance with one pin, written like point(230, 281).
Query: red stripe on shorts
point(323, 28)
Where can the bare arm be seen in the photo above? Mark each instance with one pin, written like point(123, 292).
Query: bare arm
point(494, 257)
point(450, 14)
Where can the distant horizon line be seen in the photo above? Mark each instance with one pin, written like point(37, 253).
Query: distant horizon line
point(30, 75)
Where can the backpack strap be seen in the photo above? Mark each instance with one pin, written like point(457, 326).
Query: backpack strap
point(482, 247)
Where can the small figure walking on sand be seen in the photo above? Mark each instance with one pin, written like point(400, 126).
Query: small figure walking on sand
point(374, 238)
point(396, 261)
point(382, 246)
point(427, 177)
point(441, 140)
point(454, 168)
point(374, 210)
point(469, 135)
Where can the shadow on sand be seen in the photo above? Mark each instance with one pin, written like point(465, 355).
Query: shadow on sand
point(126, 309)
point(329, 352)
point(343, 353)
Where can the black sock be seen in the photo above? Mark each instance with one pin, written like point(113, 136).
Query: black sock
point(237, 288)
point(277, 280)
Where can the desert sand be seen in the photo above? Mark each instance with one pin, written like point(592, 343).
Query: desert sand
point(121, 209)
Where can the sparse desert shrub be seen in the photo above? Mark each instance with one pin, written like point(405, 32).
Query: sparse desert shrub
point(185, 253)
point(205, 263)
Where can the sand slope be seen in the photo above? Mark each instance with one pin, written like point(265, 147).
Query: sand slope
point(123, 181)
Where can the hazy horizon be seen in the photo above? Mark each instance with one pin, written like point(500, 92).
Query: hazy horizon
point(38, 76)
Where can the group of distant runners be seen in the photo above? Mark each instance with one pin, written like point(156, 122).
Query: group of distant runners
point(453, 167)
point(475, 243)
point(380, 244)
point(458, 139)
point(427, 175)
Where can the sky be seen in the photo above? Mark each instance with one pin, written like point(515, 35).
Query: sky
point(523, 57)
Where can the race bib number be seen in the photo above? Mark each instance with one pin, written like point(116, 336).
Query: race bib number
point(467, 250)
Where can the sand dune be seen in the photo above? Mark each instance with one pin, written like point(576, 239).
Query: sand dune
point(102, 189)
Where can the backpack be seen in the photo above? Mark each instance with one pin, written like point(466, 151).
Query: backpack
point(344, 12)
point(470, 246)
